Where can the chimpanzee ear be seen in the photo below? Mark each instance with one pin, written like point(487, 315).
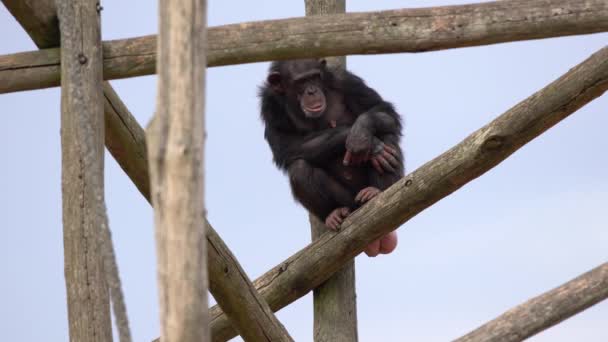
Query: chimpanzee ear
point(274, 80)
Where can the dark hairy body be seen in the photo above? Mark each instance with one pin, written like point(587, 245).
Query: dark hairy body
point(337, 139)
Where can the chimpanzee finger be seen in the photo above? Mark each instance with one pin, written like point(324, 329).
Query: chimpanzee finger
point(386, 165)
point(347, 157)
point(377, 166)
point(394, 162)
point(359, 196)
point(389, 148)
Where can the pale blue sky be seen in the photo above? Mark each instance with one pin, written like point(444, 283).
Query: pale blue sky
point(532, 223)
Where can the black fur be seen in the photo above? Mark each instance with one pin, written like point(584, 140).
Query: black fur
point(311, 150)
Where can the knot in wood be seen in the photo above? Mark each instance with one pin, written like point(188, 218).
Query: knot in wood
point(408, 182)
point(82, 59)
point(494, 142)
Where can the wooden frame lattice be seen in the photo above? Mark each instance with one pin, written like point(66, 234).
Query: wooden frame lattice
point(249, 307)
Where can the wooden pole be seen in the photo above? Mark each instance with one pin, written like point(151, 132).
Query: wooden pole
point(394, 31)
point(176, 157)
point(478, 153)
point(82, 131)
point(546, 310)
point(125, 139)
point(334, 301)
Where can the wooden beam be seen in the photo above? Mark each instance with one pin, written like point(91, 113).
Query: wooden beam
point(546, 310)
point(176, 158)
point(125, 139)
point(404, 30)
point(82, 131)
point(334, 301)
point(478, 153)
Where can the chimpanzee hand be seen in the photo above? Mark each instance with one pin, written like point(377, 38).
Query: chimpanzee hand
point(359, 145)
point(384, 157)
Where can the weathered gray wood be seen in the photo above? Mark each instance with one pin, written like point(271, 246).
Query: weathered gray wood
point(248, 311)
point(546, 310)
point(334, 301)
point(82, 131)
point(38, 18)
point(475, 155)
point(125, 139)
point(176, 157)
point(406, 30)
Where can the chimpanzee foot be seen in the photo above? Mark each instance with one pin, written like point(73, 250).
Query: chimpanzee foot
point(367, 194)
point(336, 217)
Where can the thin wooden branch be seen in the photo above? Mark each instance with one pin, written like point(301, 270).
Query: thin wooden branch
point(546, 310)
point(125, 139)
point(475, 155)
point(334, 301)
point(82, 129)
point(176, 157)
point(405, 30)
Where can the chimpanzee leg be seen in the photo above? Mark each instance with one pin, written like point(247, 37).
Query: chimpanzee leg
point(316, 190)
point(388, 242)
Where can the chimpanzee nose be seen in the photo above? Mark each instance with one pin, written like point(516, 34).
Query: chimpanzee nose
point(311, 90)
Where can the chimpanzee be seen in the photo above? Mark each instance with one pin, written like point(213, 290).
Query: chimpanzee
point(336, 137)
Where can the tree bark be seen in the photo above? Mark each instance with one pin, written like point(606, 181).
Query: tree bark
point(405, 30)
point(176, 156)
point(475, 155)
point(82, 130)
point(546, 310)
point(125, 139)
point(334, 301)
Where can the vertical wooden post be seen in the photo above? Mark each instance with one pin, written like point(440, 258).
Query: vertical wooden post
point(176, 157)
point(335, 301)
point(82, 145)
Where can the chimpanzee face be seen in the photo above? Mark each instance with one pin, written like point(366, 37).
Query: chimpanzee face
point(302, 80)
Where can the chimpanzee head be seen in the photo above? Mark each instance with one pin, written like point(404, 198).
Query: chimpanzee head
point(303, 82)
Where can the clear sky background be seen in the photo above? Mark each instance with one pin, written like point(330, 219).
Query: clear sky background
point(532, 223)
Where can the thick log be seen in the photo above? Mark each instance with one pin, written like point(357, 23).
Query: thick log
point(125, 139)
point(334, 301)
point(471, 158)
point(82, 130)
point(546, 310)
point(176, 158)
point(405, 30)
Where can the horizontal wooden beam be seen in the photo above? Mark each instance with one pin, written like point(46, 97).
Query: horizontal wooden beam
point(546, 310)
point(471, 158)
point(394, 31)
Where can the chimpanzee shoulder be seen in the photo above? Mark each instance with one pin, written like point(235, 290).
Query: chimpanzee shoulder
point(360, 98)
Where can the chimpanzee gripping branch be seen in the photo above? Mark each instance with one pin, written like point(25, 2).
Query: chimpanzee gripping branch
point(475, 155)
point(125, 139)
point(404, 30)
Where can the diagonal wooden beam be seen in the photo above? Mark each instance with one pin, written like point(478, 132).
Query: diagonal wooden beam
point(125, 139)
point(404, 30)
point(478, 153)
point(546, 310)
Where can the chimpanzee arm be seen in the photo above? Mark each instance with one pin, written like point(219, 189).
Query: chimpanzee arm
point(315, 148)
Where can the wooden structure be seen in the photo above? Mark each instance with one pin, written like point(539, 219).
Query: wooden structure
point(192, 256)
